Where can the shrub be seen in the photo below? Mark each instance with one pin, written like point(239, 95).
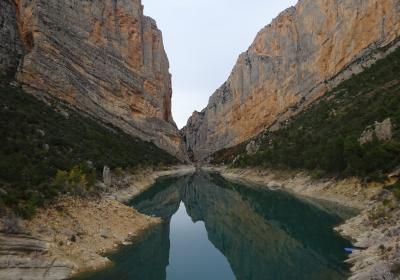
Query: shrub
point(27, 208)
point(119, 171)
point(76, 181)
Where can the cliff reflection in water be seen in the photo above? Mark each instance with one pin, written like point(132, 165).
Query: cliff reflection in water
point(263, 234)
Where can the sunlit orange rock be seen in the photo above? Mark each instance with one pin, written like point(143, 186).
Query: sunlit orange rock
point(304, 52)
point(105, 58)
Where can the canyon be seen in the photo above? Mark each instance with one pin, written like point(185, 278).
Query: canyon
point(111, 65)
point(103, 58)
point(306, 51)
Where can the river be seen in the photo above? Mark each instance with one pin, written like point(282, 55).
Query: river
point(216, 229)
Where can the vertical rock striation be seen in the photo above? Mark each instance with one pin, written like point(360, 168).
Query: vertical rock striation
point(103, 57)
point(10, 44)
point(304, 52)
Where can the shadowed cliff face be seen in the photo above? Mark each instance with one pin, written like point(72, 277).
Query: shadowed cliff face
point(263, 234)
point(305, 51)
point(104, 57)
point(10, 47)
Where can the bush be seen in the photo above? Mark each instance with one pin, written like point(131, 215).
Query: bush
point(74, 181)
point(27, 209)
point(118, 171)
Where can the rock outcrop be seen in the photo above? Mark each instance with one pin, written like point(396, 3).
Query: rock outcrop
point(24, 257)
point(11, 47)
point(383, 131)
point(307, 50)
point(103, 57)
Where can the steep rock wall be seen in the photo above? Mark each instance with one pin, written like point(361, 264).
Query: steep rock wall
point(105, 58)
point(304, 52)
point(10, 44)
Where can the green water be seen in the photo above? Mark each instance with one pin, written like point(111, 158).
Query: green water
point(214, 229)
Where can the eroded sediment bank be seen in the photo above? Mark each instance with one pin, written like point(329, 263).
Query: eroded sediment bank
point(348, 192)
point(73, 234)
point(375, 228)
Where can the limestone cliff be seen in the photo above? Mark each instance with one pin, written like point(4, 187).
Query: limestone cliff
point(304, 52)
point(104, 57)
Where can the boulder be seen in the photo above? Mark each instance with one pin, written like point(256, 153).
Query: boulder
point(252, 148)
point(381, 130)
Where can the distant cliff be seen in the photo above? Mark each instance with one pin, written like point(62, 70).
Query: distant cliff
point(306, 51)
point(104, 57)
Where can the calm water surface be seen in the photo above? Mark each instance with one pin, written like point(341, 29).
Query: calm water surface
point(214, 229)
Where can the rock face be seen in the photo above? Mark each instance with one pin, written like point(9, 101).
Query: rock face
point(103, 57)
point(304, 52)
point(381, 130)
point(10, 47)
point(24, 257)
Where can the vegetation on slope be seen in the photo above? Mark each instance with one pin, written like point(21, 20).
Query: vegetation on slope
point(325, 137)
point(44, 152)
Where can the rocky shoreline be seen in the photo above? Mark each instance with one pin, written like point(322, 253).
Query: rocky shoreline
point(73, 234)
point(350, 193)
point(375, 229)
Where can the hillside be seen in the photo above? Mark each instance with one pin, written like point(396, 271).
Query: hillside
point(48, 150)
point(342, 133)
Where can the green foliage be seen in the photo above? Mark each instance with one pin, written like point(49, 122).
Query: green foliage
point(76, 181)
point(395, 189)
point(228, 155)
point(325, 136)
point(119, 171)
point(43, 152)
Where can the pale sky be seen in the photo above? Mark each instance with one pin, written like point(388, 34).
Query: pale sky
point(203, 39)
